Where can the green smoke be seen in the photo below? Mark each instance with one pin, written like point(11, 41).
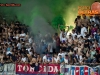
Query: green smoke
point(48, 9)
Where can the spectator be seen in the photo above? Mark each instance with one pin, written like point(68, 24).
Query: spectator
point(78, 23)
point(73, 34)
point(85, 20)
point(13, 57)
point(55, 59)
point(1, 57)
point(39, 59)
point(63, 39)
point(92, 52)
point(44, 58)
point(57, 42)
point(61, 59)
point(24, 59)
point(66, 59)
point(83, 30)
point(22, 36)
point(19, 45)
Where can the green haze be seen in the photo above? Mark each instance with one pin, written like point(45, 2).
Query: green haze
point(46, 9)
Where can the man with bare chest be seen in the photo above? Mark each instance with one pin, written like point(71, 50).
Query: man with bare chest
point(85, 21)
point(78, 22)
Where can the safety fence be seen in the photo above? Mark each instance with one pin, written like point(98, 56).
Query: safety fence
point(48, 69)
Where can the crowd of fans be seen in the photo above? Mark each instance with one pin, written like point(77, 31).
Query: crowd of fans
point(82, 46)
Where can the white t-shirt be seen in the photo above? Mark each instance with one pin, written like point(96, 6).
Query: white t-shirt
point(30, 40)
point(23, 59)
point(30, 53)
point(60, 35)
point(45, 58)
point(63, 54)
point(92, 19)
point(56, 59)
point(28, 49)
point(63, 39)
point(80, 58)
point(50, 45)
point(59, 54)
point(78, 36)
point(8, 52)
point(75, 48)
point(83, 30)
point(17, 37)
point(66, 60)
point(19, 45)
point(22, 35)
point(73, 35)
point(65, 33)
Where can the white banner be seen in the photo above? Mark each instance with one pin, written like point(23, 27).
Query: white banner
point(7, 69)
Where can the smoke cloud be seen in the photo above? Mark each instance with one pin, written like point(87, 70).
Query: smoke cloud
point(39, 13)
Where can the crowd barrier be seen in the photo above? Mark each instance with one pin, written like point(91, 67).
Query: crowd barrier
point(48, 69)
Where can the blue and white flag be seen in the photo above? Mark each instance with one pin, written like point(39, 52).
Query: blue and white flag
point(81, 70)
point(73, 70)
